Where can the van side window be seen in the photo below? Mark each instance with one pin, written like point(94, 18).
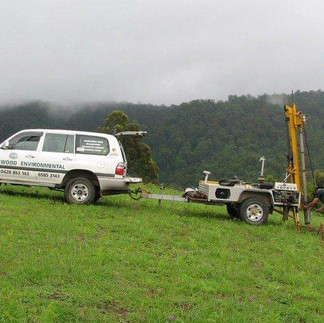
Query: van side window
point(58, 143)
point(91, 145)
point(25, 141)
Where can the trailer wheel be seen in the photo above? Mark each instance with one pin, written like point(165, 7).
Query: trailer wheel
point(233, 211)
point(254, 211)
point(80, 190)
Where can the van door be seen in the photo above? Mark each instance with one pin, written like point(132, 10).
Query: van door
point(18, 160)
point(56, 157)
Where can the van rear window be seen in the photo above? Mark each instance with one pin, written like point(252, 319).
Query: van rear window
point(91, 145)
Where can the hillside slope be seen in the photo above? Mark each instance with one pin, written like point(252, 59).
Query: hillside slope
point(128, 261)
point(226, 138)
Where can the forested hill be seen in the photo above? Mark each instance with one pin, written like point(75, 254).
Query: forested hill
point(227, 138)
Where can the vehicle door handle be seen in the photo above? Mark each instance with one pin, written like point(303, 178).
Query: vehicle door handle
point(67, 158)
point(30, 156)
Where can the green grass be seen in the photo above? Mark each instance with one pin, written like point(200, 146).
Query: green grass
point(122, 260)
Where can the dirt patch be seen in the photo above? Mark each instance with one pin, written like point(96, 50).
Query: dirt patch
point(115, 306)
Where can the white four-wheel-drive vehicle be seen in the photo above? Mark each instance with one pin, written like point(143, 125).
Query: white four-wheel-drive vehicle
point(85, 165)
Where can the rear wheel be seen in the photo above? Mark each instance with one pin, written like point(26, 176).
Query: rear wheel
point(254, 211)
point(233, 211)
point(80, 190)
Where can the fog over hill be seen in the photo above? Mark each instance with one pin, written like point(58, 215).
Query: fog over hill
point(160, 52)
point(225, 137)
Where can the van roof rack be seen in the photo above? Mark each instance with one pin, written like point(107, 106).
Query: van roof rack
point(131, 134)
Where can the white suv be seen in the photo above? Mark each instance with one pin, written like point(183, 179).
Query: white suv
point(86, 165)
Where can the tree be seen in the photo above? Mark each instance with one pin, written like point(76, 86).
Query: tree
point(270, 178)
point(319, 177)
point(139, 160)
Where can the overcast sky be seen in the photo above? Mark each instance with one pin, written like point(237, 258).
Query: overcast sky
point(159, 52)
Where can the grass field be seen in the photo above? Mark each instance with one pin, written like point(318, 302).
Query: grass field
point(122, 260)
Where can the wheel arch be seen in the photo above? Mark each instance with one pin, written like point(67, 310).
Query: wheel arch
point(81, 173)
point(264, 196)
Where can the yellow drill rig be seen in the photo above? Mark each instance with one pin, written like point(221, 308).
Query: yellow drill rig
point(296, 170)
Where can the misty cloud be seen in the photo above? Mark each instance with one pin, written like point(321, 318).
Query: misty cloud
point(158, 52)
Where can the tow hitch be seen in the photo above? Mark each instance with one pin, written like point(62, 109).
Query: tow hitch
point(139, 193)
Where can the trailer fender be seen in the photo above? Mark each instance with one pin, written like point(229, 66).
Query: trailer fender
point(265, 196)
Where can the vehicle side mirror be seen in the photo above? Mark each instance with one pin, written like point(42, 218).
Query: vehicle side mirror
point(5, 145)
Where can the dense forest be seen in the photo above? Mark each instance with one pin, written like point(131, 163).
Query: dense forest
point(225, 137)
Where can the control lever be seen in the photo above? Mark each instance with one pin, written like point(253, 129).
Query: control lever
point(206, 175)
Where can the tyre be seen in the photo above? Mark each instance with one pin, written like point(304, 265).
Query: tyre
point(233, 211)
point(80, 190)
point(97, 195)
point(254, 211)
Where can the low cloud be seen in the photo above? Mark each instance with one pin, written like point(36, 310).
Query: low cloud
point(158, 52)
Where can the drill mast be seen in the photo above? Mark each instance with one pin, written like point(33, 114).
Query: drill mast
point(296, 169)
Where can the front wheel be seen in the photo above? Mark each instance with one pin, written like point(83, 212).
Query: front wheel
point(254, 211)
point(80, 191)
point(97, 195)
